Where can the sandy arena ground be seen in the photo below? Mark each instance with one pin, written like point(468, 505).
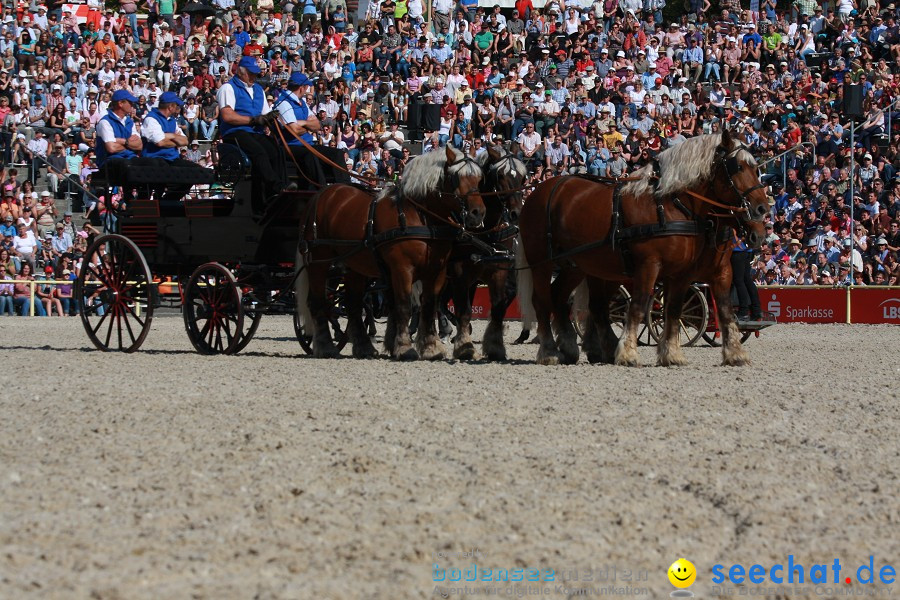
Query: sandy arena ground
point(166, 474)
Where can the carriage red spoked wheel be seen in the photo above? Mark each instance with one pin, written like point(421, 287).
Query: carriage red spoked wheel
point(252, 317)
point(116, 293)
point(213, 315)
point(694, 316)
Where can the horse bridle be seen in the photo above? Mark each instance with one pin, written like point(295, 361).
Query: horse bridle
point(463, 213)
point(731, 165)
point(494, 170)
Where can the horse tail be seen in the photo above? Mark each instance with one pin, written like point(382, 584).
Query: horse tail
point(301, 294)
point(581, 297)
point(524, 285)
point(415, 295)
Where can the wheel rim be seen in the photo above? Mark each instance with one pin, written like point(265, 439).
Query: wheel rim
point(115, 292)
point(213, 315)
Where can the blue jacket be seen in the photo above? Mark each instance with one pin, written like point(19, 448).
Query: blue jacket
point(300, 111)
point(244, 105)
point(122, 130)
point(168, 125)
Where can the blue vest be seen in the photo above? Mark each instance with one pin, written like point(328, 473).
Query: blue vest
point(168, 125)
point(244, 105)
point(301, 113)
point(121, 130)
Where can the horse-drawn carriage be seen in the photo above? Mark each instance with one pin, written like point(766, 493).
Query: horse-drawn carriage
point(233, 254)
point(236, 256)
point(229, 251)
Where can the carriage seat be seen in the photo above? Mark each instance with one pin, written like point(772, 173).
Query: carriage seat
point(165, 174)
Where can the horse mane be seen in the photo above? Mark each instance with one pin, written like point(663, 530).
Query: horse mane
point(506, 167)
point(424, 174)
point(683, 166)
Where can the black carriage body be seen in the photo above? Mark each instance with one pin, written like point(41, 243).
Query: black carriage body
point(229, 230)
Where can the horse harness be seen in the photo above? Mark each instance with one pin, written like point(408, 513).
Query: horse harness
point(620, 236)
point(453, 230)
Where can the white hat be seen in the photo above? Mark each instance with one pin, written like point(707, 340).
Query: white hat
point(641, 52)
point(56, 86)
point(868, 156)
point(23, 73)
point(539, 84)
point(651, 65)
point(620, 54)
point(45, 194)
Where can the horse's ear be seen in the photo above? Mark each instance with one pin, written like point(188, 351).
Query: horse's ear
point(494, 153)
point(514, 147)
point(451, 157)
point(727, 140)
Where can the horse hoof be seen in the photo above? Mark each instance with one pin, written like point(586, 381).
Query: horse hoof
point(465, 352)
point(328, 352)
point(627, 362)
point(548, 358)
point(436, 353)
point(499, 355)
point(365, 353)
point(736, 361)
point(569, 359)
point(523, 337)
point(595, 357)
point(409, 354)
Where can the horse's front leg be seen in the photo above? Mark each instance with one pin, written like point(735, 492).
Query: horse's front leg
point(668, 352)
point(733, 353)
point(644, 282)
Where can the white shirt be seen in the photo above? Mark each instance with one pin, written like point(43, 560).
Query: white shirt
point(105, 131)
point(225, 97)
point(152, 131)
point(38, 146)
point(286, 110)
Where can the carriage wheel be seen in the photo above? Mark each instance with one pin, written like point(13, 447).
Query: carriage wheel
point(116, 294)
point(694, 316)
point(213, 315)
point(338, 320)
point(251, 322)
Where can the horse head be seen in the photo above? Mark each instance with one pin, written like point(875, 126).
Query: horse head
point(736, 177)
point(460, 188)
point(505, 175)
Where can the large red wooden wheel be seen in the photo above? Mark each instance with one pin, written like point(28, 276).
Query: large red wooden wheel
point(213, 315)
point(115, 292)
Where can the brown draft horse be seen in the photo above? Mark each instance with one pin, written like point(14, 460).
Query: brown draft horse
point(405, 234)
point(504, 176)
point(668, 229)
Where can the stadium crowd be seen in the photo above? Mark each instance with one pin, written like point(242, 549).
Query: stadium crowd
point(576, 86)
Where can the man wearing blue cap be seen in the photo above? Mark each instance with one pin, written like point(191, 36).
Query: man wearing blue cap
point(117, 137)
point(163, 139)
point(300, 123)
point(244, 113)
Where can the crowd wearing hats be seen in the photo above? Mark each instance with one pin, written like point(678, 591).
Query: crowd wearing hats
point(596, 87)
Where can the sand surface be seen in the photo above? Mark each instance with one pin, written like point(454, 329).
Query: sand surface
point(166, 474)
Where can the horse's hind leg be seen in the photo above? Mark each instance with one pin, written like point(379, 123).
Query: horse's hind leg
point(401, 344)
point(428, 342)
point(492, 343)
point(355, 286)
point(644, 282)
point(668, 352)
point(566, 338)
point(733, 353)
point(323, 346)
point(543, 308)
point(599, 338)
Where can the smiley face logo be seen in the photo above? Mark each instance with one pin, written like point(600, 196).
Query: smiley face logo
point(682, 573)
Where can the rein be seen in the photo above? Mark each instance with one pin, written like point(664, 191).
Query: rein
point(279, 125)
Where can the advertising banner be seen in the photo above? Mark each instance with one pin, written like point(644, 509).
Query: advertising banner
point(875, 305)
